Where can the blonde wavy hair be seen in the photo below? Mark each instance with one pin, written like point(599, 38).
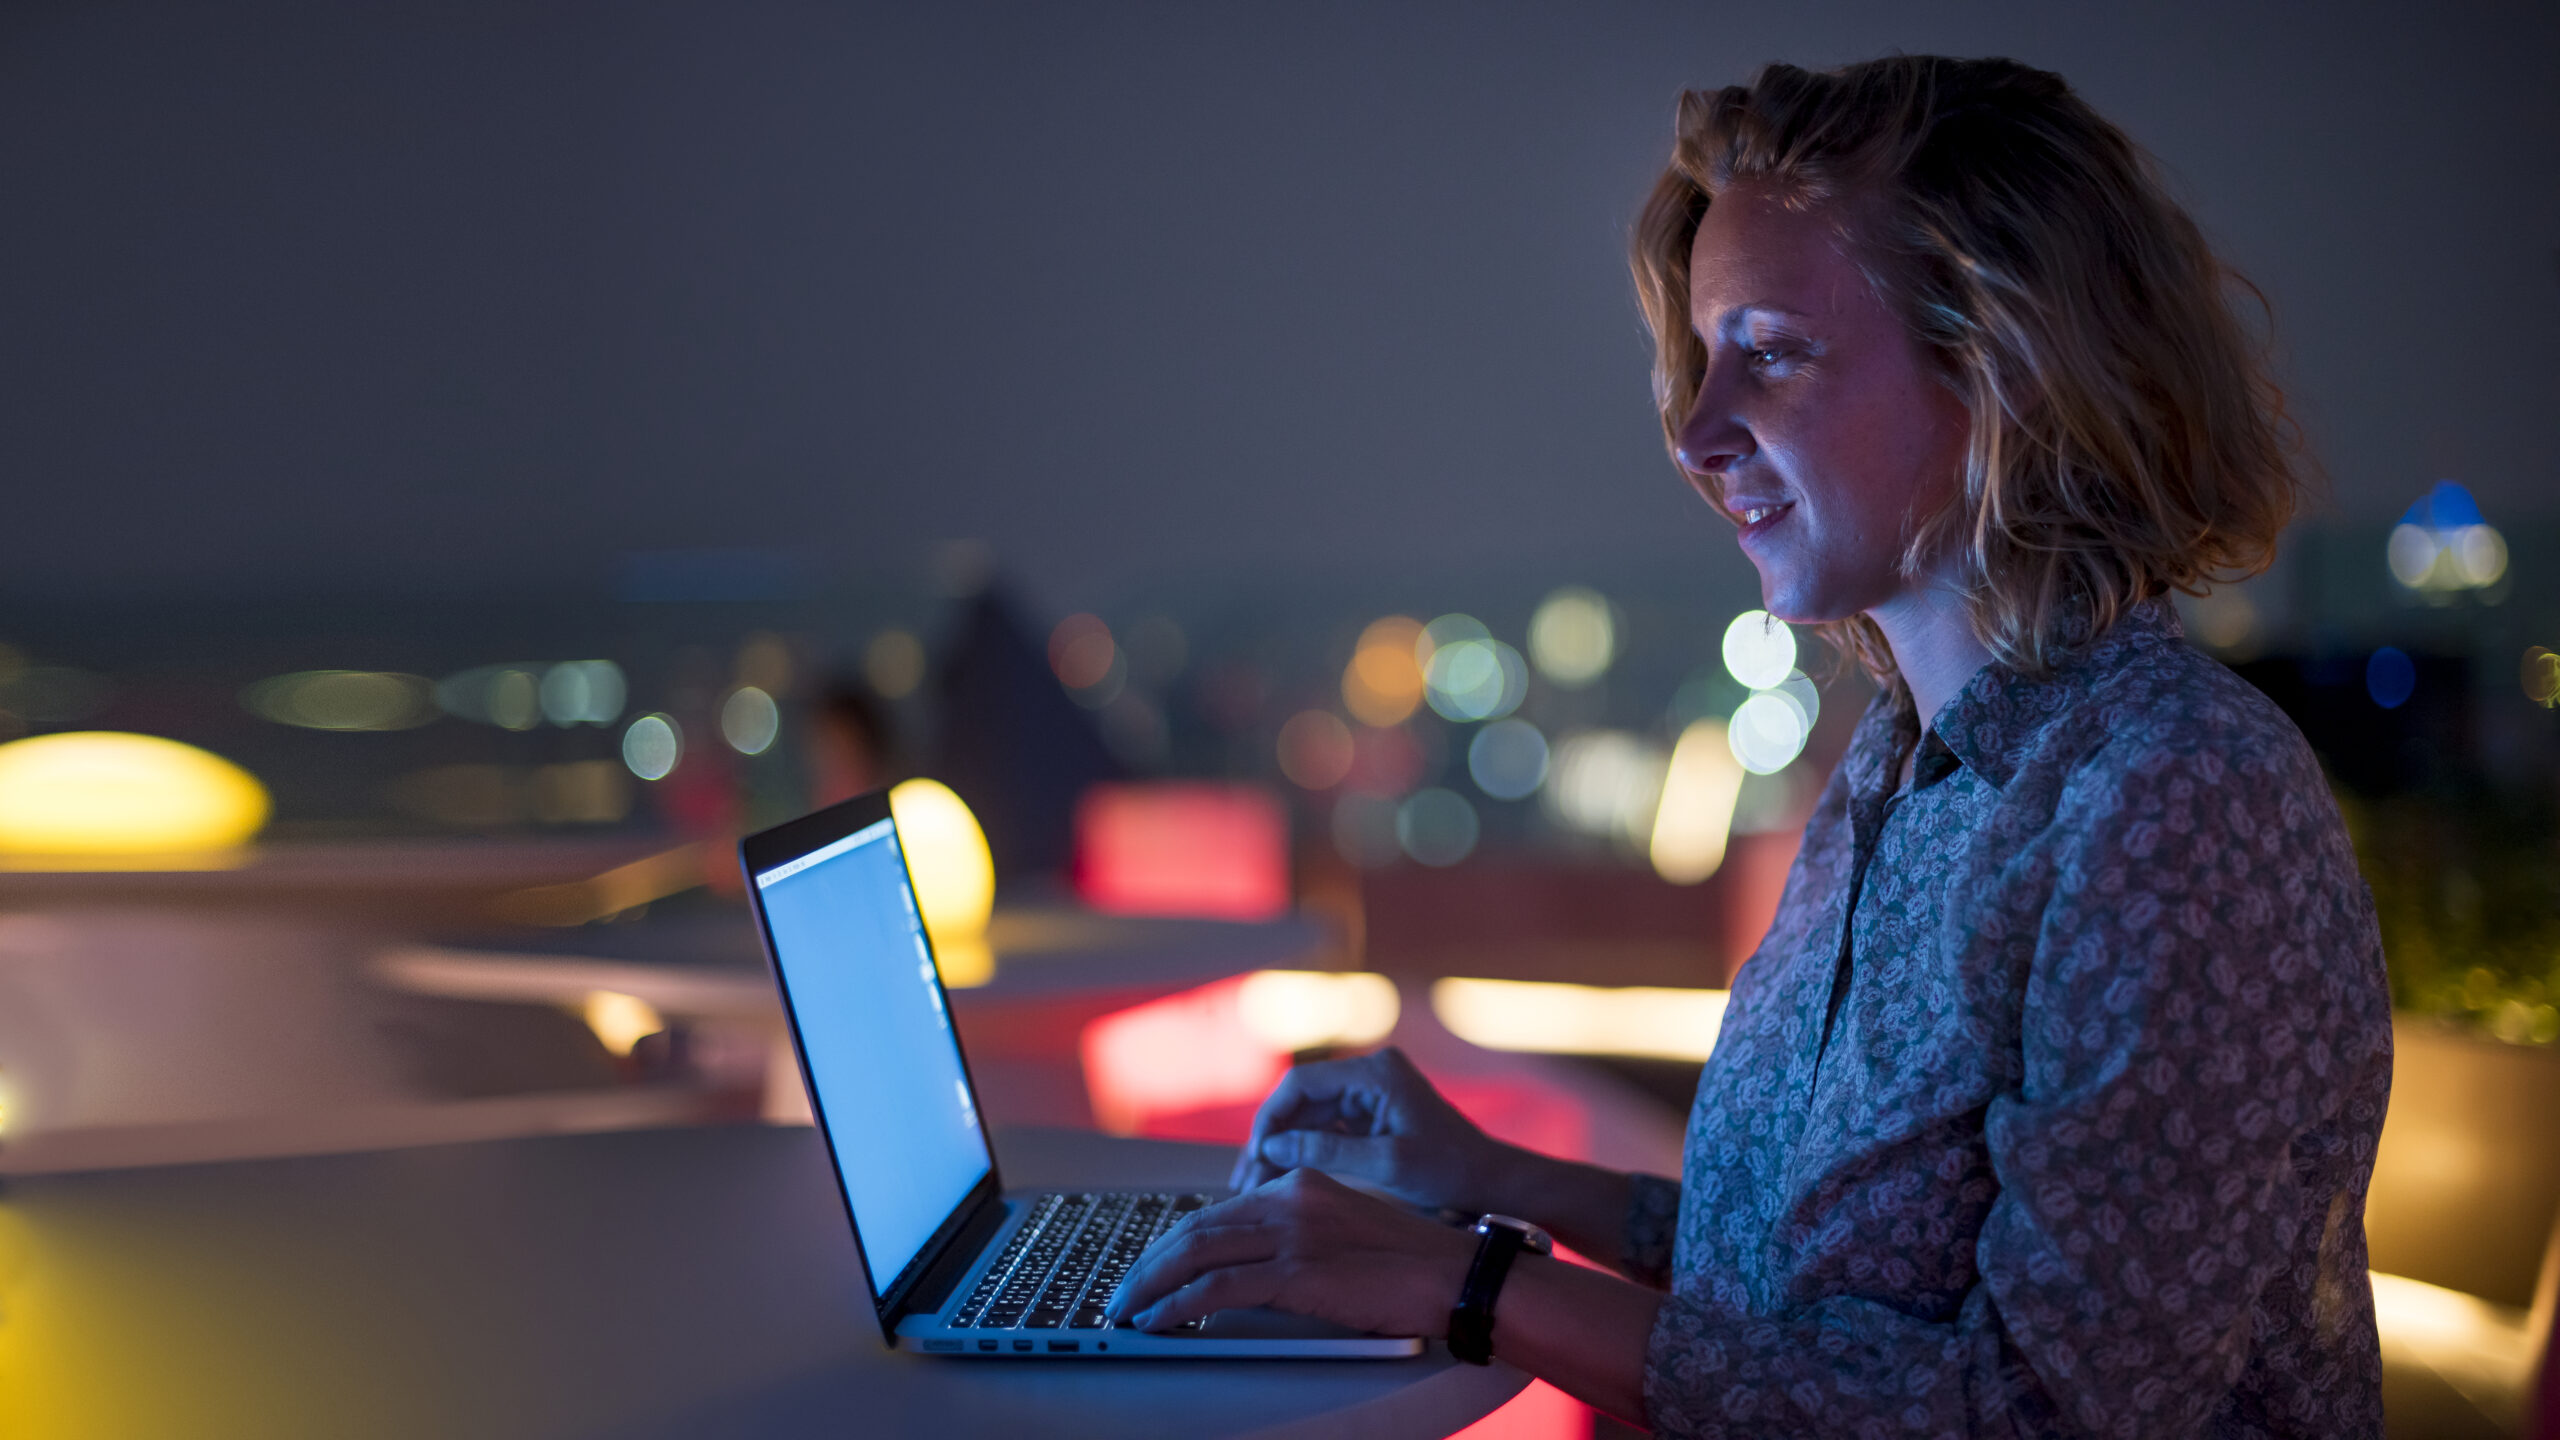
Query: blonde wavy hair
point(2126, 436)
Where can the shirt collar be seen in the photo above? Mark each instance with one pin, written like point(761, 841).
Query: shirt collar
point(1989, 722)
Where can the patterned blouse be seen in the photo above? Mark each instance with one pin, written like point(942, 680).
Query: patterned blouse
point(2048, 1104)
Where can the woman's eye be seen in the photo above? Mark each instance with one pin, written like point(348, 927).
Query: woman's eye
point(1764, 356)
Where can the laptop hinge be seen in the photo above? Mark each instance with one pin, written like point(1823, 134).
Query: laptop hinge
point(925, 1297)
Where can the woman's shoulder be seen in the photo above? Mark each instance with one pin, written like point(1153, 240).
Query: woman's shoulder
point(2147, 703)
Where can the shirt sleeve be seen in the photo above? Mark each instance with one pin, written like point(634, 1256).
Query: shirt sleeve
point(2188, 1013)
point(1653, 1217)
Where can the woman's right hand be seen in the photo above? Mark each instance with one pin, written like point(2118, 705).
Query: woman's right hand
point(1374, 1119)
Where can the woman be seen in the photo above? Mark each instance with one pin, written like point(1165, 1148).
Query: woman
point(2049, 1102)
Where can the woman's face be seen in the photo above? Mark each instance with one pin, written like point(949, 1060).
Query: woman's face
point(1818, 425)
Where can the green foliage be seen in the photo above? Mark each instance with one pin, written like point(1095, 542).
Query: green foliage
point(2466, 887)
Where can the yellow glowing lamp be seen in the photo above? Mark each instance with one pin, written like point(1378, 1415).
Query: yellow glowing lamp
point(97, 795)
point(955, 876)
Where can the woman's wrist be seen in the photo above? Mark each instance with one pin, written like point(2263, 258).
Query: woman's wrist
point(1583, 1206)
point(1581, 1330)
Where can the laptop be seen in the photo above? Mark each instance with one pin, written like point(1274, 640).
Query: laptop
point(956, 1263)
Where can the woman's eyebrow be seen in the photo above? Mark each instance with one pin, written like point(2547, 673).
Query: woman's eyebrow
point(1734, 316)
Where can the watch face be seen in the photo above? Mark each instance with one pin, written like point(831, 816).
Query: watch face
point(1532, 1239)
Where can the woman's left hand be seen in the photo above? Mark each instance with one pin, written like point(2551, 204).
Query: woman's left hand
point(1307, 1244)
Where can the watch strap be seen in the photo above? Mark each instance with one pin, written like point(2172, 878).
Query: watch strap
point(1471, 1323)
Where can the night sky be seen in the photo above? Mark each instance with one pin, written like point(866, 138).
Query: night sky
point(485, 294)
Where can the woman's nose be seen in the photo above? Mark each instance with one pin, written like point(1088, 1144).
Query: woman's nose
point(1710, 444)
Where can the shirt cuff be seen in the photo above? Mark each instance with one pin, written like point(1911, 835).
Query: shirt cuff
point(1653, 1220)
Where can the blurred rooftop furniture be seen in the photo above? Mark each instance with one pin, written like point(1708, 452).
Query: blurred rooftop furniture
point(2463, 1223)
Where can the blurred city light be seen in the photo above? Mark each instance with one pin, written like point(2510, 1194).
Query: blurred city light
point(91, 796)
point(1695, 817)
point(2444, 544)
point(894, 663)
point(749, 720)
point(1185, 1052)
point(1475, 679)
point(1508, 759)
point(1436, 827)
point(1081, 652)
point(652, 746)
point(2390, 677)
point(1573, 637)
point(2225, 619)
point(1196, 848)
point(954, 874)
point(1759, 649)
point(583, 692)
point(1382, 685)
point(1315, 750)
point(1768, 731)
point(1294, 1010)
point(1606, 782)
point(344, 700)
point(620, 1021)
point(1649, 1022)
point(2541, 676)
point(514, 700)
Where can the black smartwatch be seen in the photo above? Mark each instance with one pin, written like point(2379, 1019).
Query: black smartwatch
point(1501, 1239)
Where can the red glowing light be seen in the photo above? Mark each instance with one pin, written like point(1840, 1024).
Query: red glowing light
point(1179, 848)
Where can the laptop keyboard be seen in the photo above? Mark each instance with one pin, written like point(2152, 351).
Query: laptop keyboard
point(1071, 1253)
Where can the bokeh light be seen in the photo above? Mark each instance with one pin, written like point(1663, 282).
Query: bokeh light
point(1081, 652)
point(1759, 649)
point(1508, 759)
point(1768, 731)
point(652, 745)
point(620, 1021)
point(1573, 637)
point(1475, 679)
point(1606, 782)
point(2390, 677)
point(1436, 827)
point(1294, 1010)
point(96, 794)
point(344, 700)
point(749, 720)
point(515, 700)
point(894, 663)
point(2541, 676)
point(1315, 750)
point(1656, 1023)
point(583, 692)
point(2444, 544)
point(1382, 685)
point(954, 873)
point(1695, 817)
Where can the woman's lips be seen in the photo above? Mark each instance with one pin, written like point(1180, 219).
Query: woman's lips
point(1757, 519)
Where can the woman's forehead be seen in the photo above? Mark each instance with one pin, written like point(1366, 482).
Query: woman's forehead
point(1754, 251)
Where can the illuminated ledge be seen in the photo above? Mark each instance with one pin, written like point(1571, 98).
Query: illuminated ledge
point(372, 1127)
point(2487, 1352)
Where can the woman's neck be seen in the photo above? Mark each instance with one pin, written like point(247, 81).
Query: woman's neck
point(1933, 645)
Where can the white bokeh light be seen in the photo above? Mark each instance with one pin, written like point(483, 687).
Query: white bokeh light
point(652, 746)
point(1759, 649)
point(1768, 732)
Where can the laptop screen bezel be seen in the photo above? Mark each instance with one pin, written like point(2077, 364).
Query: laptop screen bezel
point(780, 845)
